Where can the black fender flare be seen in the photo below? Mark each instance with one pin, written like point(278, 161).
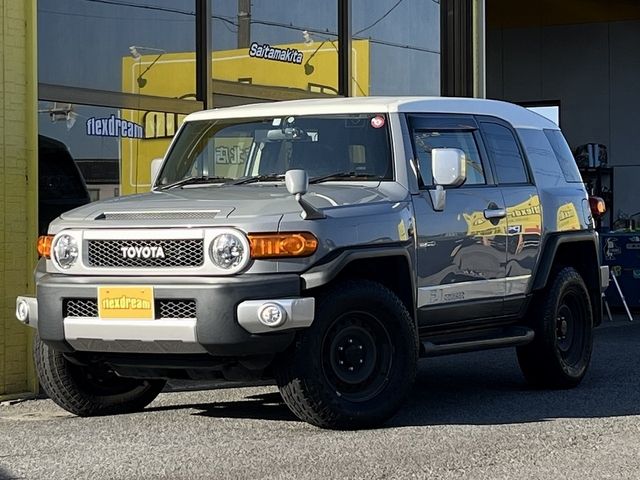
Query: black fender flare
point(330, 267)
point(548, 256)
point(550, 248)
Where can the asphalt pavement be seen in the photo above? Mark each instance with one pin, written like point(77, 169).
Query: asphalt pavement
point(470, 416)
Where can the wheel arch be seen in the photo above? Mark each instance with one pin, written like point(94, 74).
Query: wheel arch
point(389, 266)
point(579, 250)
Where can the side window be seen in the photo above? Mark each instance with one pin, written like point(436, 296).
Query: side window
point(564, 156)
point(503, 149)
point(427, 140)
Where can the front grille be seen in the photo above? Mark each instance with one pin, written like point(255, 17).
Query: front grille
point(170, 308)
point(176, 253)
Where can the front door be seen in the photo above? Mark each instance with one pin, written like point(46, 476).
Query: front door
point(461, 250)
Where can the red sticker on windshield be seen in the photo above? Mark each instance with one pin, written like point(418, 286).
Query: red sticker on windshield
point(377, 121)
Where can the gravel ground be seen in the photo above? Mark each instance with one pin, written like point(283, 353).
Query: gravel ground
point(470, 416)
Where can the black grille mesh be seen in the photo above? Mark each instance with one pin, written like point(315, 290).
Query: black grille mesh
point(173, 308)
point(177, 253)
point(81, 307)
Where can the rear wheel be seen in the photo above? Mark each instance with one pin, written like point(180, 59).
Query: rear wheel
point(560, 353)
point(90, 390)
point(356, 364)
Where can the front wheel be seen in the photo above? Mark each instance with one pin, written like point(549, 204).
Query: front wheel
point(356, 364)
point(560, 353)
point(93, 389)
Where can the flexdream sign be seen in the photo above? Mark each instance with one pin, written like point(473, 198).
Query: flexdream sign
point(113, 127)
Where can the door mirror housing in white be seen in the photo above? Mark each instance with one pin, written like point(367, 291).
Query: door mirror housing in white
point(449, 169)
point(448, 166)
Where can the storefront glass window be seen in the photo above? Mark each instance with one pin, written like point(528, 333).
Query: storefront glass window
point(118, 45)
point(112, 148)
point(403, 38)
point(275, 43)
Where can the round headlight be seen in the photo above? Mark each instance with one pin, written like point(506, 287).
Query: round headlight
point(65, 251)
point(228, 251)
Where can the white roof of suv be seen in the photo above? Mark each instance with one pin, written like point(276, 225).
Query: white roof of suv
point(517, 116)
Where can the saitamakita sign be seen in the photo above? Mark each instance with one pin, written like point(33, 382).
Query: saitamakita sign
point(266, 51)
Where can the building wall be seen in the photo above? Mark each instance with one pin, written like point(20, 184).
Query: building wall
point(593, 69)
point(18, 187)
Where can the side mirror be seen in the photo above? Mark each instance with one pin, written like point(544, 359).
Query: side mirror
point(449, 167)
point(297, 182)
point(156, 163)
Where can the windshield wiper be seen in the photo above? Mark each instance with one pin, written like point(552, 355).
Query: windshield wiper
point(194, 181)
point(345, 175)
point(268, 177)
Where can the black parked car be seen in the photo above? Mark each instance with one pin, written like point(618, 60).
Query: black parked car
point(61, 186)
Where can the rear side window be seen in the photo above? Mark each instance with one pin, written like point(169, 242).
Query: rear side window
point(503, 148)
point(564, 156)
point(427, 140)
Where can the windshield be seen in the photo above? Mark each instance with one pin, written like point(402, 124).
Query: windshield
point(223, 151)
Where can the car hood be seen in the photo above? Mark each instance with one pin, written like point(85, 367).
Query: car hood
point(223, 202)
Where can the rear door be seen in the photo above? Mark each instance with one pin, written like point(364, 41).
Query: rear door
point(524, 216)
point(461, 251)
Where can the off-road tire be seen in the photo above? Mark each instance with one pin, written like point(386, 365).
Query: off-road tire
point(78, 389)
point(359, 323)
point(559, 355)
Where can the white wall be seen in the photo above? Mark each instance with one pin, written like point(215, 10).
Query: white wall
point(594, 70)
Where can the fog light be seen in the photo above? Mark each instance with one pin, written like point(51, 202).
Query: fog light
point(272, 315)
point(22, 311)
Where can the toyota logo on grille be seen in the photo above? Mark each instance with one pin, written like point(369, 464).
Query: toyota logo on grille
point(142, 252)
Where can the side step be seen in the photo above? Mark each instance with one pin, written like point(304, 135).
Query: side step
point(480, 340)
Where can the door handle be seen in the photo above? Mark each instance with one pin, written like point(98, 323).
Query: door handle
point(493, 213)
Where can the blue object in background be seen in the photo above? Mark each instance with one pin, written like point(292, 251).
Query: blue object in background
point(621, 251)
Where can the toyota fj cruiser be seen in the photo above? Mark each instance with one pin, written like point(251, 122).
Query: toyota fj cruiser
point(327, 244)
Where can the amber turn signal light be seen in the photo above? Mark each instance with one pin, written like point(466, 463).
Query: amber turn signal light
point(597, 206)
point(44, 245)
point(278, 245)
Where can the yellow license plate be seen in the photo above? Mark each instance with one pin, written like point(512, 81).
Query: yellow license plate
point(130, 302)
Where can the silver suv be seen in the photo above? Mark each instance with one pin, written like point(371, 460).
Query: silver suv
point(327, 244)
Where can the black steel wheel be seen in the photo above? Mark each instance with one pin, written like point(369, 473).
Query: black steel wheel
point(90, 390)
point(356, 364)
point(560, 353)
point(357, 356)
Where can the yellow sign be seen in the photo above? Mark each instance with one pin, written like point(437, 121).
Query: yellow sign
point(173, 75)
point(119, 302)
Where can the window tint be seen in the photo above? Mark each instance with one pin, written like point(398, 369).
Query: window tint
point(425, 141)
point(503, 148)
point(564, 156)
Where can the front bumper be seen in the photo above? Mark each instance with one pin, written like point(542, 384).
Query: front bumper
point(225, 323)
